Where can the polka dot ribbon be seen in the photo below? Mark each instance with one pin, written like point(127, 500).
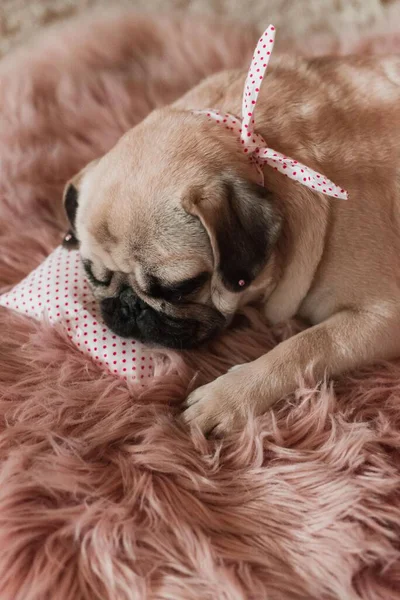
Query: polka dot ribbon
point(253, 143)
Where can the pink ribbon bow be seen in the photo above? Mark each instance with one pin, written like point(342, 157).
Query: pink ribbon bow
point(253, 143)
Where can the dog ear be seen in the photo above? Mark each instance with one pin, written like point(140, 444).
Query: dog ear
point(70, 201)
point(243, 226)
point(71, 204)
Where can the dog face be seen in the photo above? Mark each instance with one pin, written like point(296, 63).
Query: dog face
point(173, 231)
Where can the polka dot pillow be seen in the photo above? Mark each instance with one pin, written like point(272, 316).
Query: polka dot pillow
point(58, 291)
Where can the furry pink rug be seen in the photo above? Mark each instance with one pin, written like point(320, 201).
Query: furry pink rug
point(103, 495)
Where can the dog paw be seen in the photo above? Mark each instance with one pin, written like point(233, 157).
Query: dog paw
point(221, 405)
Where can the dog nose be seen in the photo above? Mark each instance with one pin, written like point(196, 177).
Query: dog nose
point(130, 302)
point(127, 298)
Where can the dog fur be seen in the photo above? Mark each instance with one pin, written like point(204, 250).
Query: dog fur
point(177, 198)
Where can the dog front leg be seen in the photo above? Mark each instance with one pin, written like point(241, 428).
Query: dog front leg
point(345, 341)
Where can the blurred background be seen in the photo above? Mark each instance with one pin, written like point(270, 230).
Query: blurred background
point(295, 19)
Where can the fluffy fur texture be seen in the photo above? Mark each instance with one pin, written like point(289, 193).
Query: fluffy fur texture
point(330, 24)
point(102, 493)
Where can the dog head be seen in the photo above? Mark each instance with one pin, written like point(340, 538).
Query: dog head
point(173, 231)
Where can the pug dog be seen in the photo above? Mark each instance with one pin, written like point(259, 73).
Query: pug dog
point(176, 234)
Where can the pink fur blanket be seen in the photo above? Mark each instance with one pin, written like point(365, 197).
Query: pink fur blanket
point(102, 494)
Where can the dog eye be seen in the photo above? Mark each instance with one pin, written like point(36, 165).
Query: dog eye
point(189, 286)
point(88, 266)
point(178, 291)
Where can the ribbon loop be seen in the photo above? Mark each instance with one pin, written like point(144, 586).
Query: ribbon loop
point(254, 79)
point(253, 143)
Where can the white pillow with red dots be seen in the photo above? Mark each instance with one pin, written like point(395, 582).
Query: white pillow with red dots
point(57, 291)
